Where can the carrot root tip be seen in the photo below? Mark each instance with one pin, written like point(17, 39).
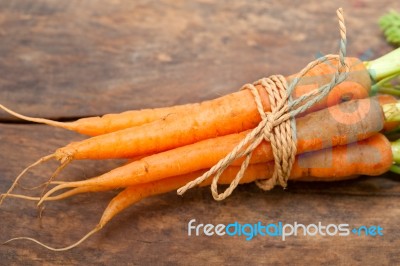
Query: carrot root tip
point(19, 196)
point(96, 229)
point(54, 175)
point(54, 189)
point(40, 185)
point(40, 161)
point(37, 119)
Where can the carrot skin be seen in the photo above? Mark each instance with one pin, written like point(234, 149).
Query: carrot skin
point(330, 164)
point(337, 125)
point(170, 133)
point(382, 99)
point(356, 86)
point(338, 163)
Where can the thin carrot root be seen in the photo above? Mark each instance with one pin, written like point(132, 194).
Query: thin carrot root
point(51, 191)
point(71, 192)
point(32, 188)
point(41, 185)
point(96, 229)
point(40, 161)
point(75, 191)
point(61, 196)
point(64, 163)
point(116, 205)
point(56, 172)
point(18, 196)
point(64, 195)
point(36, 119)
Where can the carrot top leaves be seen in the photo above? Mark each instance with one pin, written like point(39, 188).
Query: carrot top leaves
point(386, 69)
point(390, 24)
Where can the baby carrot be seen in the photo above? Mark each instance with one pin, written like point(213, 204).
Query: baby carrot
point(337, 125)
point(321, 165)
point(150, 138)
point(339, 163)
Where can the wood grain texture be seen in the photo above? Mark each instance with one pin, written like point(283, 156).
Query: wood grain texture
point(155, 230)
point(66, 59)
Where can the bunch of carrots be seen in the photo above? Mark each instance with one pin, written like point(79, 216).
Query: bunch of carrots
point(168, 147)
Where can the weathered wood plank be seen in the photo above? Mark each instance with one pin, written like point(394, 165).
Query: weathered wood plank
point(155, 230)
point(66, 59)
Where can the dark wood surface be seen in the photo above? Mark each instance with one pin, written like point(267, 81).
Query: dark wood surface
point(69, 59)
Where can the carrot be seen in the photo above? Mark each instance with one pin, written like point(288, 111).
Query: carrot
point(238, 106)
point(382, 98)
point(338, 163)
point(321, 165)
point(337, 125)
point(223, 116)
point(112, 145)
point(152, 138)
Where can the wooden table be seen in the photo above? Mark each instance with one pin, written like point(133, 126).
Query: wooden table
point(70, 59)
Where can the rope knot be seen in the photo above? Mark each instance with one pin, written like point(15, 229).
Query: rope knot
point(269, 125)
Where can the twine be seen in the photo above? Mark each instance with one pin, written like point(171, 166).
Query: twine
point(277, 126)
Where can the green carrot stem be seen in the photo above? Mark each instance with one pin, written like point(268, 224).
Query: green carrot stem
point(385, 66)
point(395, 169)
point(391, 91)
point(396, 151)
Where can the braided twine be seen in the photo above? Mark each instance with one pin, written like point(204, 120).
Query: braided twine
point(277, 126)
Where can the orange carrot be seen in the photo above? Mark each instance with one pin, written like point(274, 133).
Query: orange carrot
point(115, 144)
point(337, 125)
point(382, 98)
point(321, 165)
point(338, 163)
point(223, 116)
point(234, 108)
point(151, 138)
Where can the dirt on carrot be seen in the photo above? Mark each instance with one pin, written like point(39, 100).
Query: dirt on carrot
point(318, 130)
